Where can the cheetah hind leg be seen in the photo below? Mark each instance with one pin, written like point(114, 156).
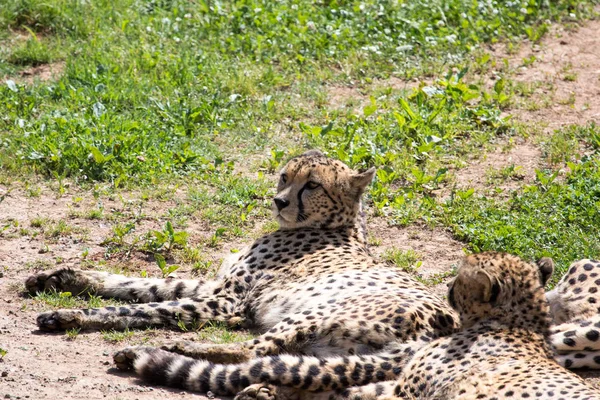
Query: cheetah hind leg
point(579, 359)
point(290, 336)
point(577, 336)
point(234, 353)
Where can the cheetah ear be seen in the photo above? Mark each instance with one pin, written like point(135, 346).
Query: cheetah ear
point(361, 180)
point(488, 289)
point(546, 266)
point(313, 153)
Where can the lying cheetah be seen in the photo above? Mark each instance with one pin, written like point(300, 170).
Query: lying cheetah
point(311, 287)
point(575, 308)
point(502, 352)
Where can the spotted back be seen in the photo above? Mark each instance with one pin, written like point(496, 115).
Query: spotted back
point(317, 191)
point(577, 295)
point(503, 287)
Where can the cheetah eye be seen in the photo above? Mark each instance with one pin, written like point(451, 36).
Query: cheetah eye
point(312, 185)
point(284, 178)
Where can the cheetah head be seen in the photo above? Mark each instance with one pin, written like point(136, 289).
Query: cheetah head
point(317, 191)
point(500, 286)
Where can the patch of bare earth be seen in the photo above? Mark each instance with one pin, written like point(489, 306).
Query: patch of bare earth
point(49, 366)
point(437, 250)
point(570, 62)
point(523, 158)
point(42, 73)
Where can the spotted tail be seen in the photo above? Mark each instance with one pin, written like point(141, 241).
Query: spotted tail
point(301, 372)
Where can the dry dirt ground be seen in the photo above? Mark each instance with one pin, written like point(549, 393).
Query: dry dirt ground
point(39, 366)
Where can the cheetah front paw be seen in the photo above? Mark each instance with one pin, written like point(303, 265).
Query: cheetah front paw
point(61, 280)
point(258, 392)
point(59, 320)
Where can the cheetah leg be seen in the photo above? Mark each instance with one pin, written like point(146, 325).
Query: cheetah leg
point(374, 391)
point(577, 336)
point(294, 334)
point(579, 359)
point(139, 290)
point(189, 312)
point(299, 372)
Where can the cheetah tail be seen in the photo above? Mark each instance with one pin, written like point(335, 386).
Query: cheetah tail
point(302, 372)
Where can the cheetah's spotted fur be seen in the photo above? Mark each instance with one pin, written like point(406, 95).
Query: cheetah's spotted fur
point(575, 308)
point(502, 352)
point(312, 288)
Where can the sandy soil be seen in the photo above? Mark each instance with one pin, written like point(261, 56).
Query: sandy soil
point(569, 61)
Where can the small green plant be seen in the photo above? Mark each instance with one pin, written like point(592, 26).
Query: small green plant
point(408, 260)
point(512, 172)
point(34, 191)
point(218, 332)
point(274, 162)
point(3, 353)
point(113, 336)
point(201, 267)
point(165, 240)
point(165, 269)
point(439, 278)
point(72, 333)
point(57, 299)
point(39, 222)
point(216, 237)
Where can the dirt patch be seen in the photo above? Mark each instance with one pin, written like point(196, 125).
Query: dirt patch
point(42, 366)
point(506, 170)
point(42, 73)
point(437, 250)
point(568, 62)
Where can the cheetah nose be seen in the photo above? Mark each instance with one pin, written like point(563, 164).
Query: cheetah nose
point(281, 203)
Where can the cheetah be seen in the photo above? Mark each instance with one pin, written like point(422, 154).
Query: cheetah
point(575, 309)
point(502, 351)
point(311, 288)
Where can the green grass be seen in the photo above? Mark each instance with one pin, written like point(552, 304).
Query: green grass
point(408, 260)
point(209, 98)
point(168, 88)
point(219, 333)
point(551, 217)
point(55, 300)
point(113, 336)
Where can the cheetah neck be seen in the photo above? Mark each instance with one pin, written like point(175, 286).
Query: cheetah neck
point(531, 315)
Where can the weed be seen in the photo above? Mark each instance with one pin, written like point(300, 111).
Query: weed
point(59, 299)
point(219, 333)
point(72, 333)
point(113, 336)
point(408, 260)
point(165, 240)
point(165, 269)
point(201, 267)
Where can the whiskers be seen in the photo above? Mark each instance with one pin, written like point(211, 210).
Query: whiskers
point(301, 217)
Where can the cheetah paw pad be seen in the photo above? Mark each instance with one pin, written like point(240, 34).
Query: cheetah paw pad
point(59, 320)
point(257, 392)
